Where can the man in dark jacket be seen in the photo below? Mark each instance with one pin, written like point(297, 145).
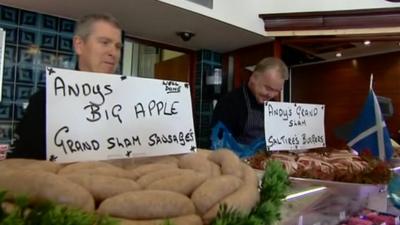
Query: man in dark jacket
point(97, 43)
point(242, 110)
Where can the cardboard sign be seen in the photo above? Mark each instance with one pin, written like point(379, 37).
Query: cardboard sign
point(94, 116)
point(292, 126)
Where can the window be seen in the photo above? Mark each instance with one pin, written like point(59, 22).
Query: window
point(141, 59)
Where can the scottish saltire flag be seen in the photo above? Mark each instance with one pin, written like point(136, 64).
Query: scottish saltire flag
point(370, 131)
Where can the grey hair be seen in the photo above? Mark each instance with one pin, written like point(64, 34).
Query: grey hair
point(84, 26)
point(272, 63)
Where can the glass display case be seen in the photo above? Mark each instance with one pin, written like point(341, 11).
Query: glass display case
point(319, 202)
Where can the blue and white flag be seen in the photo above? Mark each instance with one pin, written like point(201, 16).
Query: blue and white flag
point(370, 131)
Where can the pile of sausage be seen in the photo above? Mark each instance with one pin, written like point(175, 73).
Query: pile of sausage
point(338, 165)
point(369, 217)
point(187, 189)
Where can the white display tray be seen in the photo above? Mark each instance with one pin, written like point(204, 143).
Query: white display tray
point(346, 188)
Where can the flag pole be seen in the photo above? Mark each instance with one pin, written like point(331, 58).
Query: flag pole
point(371, 80)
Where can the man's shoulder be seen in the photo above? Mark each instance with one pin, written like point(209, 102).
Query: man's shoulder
point(234, 94)
point(233, 99)
point(39, 95)
point(38, 99)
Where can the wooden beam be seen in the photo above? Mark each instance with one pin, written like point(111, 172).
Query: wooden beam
point(354, 31)
point(348, 19)
point(339, 39)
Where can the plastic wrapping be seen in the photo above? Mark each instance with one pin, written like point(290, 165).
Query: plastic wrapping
point(221, 137)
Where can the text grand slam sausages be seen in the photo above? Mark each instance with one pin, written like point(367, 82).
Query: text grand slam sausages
point(152, 108)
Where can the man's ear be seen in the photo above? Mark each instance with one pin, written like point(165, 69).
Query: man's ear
point(78, 44)
point(252, 81)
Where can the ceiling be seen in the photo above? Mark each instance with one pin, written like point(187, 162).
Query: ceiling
point(154, 21)
point(159, 22)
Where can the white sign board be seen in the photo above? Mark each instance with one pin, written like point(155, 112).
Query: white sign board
point(94, 116)
point(292, 126)
point(2, 48)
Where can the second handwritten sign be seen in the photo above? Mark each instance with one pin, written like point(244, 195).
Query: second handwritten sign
point(292, 126)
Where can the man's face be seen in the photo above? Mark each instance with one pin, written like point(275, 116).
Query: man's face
point(101, 50)
point(266, 85)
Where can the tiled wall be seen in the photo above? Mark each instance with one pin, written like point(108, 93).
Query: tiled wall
point(206, 62)
point(33, 41)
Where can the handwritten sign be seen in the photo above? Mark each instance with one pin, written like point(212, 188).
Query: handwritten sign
point(292, 126)
point(93, 116)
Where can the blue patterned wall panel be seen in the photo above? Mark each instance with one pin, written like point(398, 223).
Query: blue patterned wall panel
point(67, 26)
point(49, 23)
point(28, 37)
point(9, 15)
point(8, 73)
point(40, 77)
point(66, 61)
point(217, 57)
point(24, 56)
point(28, 19)
point(7, 94)
point(5, 131)
point(28, 56)
point(65, 44)
point(48, 58)
point(206, 55)
point(206, 62)
point(6, 111)
point(18, 111)
point(11, 33)
point(25, 74)
point(207, 70)
point(23, 92)
point(33, 40)
point(10, 55)
point(48, 41)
